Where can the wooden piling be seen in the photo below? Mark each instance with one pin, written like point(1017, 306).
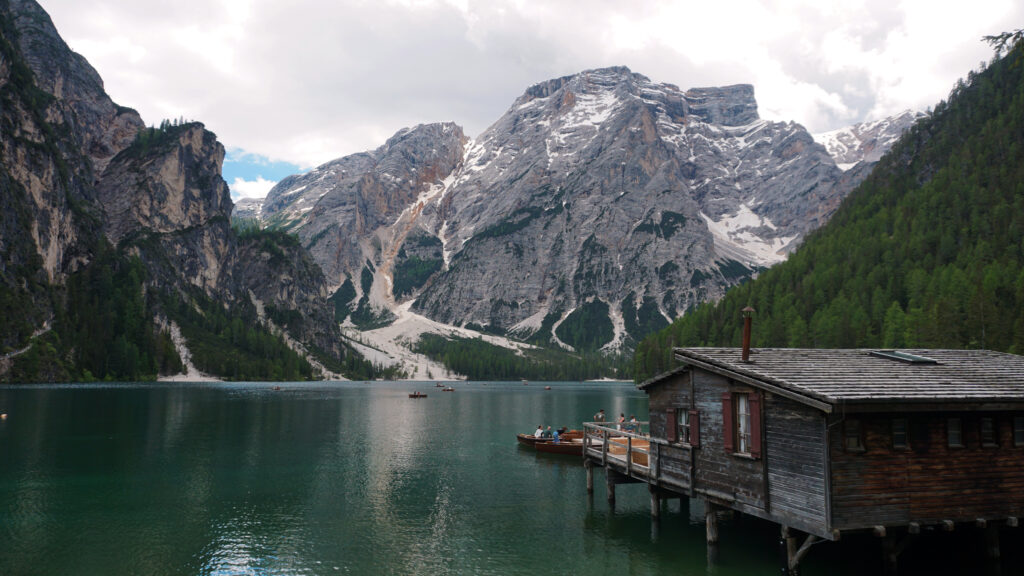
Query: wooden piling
point(655, 503)
point(710, 523)
point(991, 542)
point(589, 466)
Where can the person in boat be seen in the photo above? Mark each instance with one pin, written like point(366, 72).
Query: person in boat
point(539, 432)
point(547, 433)
point(554, 436)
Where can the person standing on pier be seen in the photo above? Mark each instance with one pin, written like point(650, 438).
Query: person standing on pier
point(599, 417)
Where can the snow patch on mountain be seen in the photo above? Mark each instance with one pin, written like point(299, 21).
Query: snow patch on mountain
point(736, 236)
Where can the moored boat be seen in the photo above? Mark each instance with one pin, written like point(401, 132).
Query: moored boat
point(573, 447)
point(529, 439)
point(417, 395)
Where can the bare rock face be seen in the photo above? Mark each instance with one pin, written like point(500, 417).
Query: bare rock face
point(102, 127)
point(866, 141)
point(598, 188)
point(75, 167)
point(340, 207)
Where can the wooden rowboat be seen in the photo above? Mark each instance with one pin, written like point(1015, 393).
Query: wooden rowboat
point(529, 439)
point(571, 447)
point(417, 395)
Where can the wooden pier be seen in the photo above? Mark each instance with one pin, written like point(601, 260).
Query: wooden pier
point(831, 442)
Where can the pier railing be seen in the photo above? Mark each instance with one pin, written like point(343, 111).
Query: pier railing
point(627, 444)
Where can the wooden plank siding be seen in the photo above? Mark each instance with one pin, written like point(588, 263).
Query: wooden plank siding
point(797, 469)
point(929, 481)
point(717, 471)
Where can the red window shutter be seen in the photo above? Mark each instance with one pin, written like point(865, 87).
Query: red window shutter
point(671, 433)
point(694, 428)
point(755, 425)
point(728, 431)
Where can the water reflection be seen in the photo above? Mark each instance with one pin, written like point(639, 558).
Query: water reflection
point(334, 478)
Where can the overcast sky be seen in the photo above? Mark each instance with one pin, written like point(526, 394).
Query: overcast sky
point(288, 85)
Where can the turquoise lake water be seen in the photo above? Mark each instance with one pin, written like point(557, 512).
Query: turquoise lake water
point(355, 478)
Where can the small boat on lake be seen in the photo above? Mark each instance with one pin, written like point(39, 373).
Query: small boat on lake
point(417, 395)
point(563, 435)
point(572, 447)
point(529, 439)
point(438, 385)
point(448, 389)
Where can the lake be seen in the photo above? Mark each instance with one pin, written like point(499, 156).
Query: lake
point(355, 478)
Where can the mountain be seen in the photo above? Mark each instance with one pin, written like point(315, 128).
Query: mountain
point(866, 141)
point(119, 260)
point(926, 253)
point(598, 208)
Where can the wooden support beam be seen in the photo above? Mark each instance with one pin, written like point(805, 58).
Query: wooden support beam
point(589, 466)
point(794, 562)
point(992, 542)
point(610, 486)
point(655, 503)
point(710, 522)
point(878, 531)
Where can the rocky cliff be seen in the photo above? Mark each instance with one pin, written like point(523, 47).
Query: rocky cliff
point(82, 181)
point(603, 199)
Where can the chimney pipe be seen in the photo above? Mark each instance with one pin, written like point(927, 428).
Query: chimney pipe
point(748, 316)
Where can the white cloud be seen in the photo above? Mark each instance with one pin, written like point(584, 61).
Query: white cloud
point(308, 81)
point(257, 188)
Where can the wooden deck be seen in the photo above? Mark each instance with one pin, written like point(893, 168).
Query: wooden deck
point(634, 455)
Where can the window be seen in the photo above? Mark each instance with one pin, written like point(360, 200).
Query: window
point(683, 426)
point(954, 433)
point(988, 431)
point(742, 424)
point(899, 433)
point(853, 439)
point(1018, 430)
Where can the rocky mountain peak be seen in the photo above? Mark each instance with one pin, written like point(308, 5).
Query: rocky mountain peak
point(865, 141)
point(103, 127)
point(726, 106)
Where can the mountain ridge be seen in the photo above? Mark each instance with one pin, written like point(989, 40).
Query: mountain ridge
point(636, 165)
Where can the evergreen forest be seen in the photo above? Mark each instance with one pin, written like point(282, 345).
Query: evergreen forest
point(928, 252)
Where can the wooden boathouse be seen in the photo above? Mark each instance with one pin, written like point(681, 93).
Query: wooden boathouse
point(827, 442)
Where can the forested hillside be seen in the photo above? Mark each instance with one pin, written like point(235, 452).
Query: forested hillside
point(925, 253)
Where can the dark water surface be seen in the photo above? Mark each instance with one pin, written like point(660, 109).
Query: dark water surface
point(332, 478)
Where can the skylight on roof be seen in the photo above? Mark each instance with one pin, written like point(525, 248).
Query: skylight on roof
point(902, 357)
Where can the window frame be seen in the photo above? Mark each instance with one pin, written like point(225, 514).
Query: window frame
point(905, 445)
point(683, 425)
point(853, 429)
point(988, 432)
point(742, 433)
point(959, 428)
point(742, 427)
point(1018, 431)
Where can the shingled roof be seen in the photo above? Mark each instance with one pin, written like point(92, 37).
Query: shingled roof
point(864, 376)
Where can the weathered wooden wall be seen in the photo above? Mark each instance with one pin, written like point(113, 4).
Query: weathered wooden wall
point(716, 470)
point(928, 482)
point(795, 450)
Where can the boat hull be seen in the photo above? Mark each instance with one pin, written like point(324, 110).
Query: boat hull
point(573, 448)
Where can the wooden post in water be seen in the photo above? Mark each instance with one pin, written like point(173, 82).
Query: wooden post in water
point(710, 523)
point(992, 541)
point(610, 484)
point(589, 466)
point(655, 503)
